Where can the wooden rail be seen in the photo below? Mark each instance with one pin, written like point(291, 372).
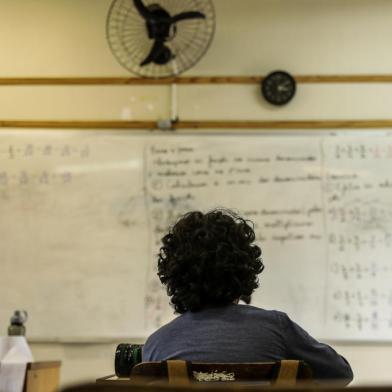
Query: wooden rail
point(121, 81)
point(182, 125)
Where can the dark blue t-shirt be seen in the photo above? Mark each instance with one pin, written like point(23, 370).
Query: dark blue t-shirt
point(243, 333)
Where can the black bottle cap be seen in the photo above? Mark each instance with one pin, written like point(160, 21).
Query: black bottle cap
point(19, 317)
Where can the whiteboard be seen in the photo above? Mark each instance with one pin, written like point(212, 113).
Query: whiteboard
point(82, 214)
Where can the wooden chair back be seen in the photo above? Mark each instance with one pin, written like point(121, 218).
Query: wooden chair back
point(178, 372)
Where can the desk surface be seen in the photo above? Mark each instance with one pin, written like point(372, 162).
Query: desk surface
point(43, 365)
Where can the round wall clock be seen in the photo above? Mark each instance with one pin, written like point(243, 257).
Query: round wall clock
point(278, 88)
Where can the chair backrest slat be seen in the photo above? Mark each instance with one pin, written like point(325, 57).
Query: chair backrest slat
point(288, 373)
point(282, 373)
point(177, 372)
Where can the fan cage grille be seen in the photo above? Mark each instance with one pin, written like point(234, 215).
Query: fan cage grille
point(128, 39)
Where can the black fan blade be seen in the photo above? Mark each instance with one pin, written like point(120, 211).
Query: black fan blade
point(142, 9)
point(187, 15)
point(156, 50)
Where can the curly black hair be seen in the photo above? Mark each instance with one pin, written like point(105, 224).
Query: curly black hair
point(208, 259)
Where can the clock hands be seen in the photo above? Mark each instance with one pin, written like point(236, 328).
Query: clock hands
point(278, 88)
point(283, 87)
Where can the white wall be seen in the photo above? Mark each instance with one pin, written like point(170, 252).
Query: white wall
point(67, 38)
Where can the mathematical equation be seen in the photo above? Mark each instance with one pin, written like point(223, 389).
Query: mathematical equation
point(44, 151)
point(357, 242)
point(363, 151)
point(24, 178)
point(357, 212)
point(357, 271)
point(357, 321)
point(363, 297)
point(362, 309)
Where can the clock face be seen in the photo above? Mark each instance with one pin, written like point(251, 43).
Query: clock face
point(278, 88)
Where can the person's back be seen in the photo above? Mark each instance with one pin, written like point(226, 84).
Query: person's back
point(208, 262)
point(242, 333)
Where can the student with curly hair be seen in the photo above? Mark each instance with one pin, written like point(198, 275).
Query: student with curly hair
point(208, 262)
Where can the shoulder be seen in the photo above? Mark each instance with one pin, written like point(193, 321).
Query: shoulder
point(254, 311)
point(165, 333)
point(165, 330)
point(153, 346)
point(256, 316)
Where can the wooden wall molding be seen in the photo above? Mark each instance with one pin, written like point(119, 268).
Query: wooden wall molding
point(200, 125)
point(124, 81)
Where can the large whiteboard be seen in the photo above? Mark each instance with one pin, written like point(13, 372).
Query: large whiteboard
point(82, 213)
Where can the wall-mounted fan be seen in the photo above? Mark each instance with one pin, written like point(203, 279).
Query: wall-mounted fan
point(160, 38)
